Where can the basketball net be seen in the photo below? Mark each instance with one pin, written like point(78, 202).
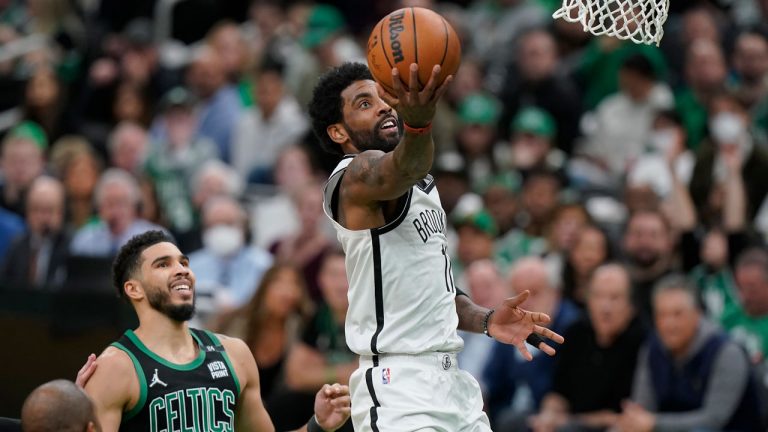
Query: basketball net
point(641, 21)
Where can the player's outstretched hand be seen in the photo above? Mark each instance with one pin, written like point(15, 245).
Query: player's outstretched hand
point(414, 105)
point(85, 372)
point(513, 325)
point(332, 406)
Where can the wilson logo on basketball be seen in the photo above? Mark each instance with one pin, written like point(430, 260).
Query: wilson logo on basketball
point(395, 28)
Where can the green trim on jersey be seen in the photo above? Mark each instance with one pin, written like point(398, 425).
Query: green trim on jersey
point(142, 382)
point(179, 367)
point(216, 341)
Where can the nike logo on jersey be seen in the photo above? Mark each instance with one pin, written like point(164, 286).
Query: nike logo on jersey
point(156, 380)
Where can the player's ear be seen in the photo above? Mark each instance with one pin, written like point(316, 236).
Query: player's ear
point(133, 290)
point(337, 133)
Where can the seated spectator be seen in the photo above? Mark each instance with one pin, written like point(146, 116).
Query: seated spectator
point(476, 232)
point(117, 198)
point(476, 135)
point(305, 249)
point(37, 258)
point(322, 355)
point(174, 159)
point(735, 151)
point(747, 319)
point(591, 249)
point(79, 167)
point(596, 366)
point(486, 287)
point(532, 143)
point(21, 161)
point(275, 122)
point(690, 375)
point(269, 325)
point(128, 146)
point(516, 386)
point(227, 268)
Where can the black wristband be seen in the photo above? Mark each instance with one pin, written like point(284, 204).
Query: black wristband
point(313, 425)
point(485, 322)
point(534, 339)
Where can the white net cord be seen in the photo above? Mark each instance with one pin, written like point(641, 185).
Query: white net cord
point(641, 21)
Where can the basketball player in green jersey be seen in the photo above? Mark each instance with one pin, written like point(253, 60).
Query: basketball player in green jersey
point(166, 376)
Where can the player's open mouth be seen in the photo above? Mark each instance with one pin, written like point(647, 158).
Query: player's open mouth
point(389, 124)
point(181, 286)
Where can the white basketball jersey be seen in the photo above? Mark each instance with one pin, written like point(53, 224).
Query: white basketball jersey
point(401, 289)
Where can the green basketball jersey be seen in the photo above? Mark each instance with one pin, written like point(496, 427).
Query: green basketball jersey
point(194, 397)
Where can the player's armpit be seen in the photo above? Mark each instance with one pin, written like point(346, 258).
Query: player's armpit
point(113, 387)
point(250, 414)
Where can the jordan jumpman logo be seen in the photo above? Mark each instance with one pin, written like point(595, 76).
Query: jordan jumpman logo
point(156, 380)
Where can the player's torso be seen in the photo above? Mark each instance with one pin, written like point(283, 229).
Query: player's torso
point(198, 396)
point(402, 294)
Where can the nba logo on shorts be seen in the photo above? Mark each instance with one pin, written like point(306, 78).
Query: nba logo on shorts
point(386, 378)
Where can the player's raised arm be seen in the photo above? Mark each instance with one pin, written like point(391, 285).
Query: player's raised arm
point(113, 388)
point(376, 175)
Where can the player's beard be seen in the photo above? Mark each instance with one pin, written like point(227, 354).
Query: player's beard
point(375, 139)
point(160, 300)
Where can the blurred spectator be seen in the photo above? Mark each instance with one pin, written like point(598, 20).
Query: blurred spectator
point(293, 171)
point(269, 325)
point(539, 83)
point(516, 386)
point(131, 104)
point(734, 150)
point(322, 355)
point(622, 121)
point(500, 198)
point(226, 39)
point(747, 319)
point(750, 64)
point(532, 145)
point(648, 247)
point(306, 248)
point(591, 249)
point(74, 160)
point(44, 100)
point(705, 74)
point(37, 258)
point(172, 162)
point(476, 136)
point(487, 288)
point(476, 233)
point(275, 122)
point(599, 65)
point(11, 226)
point(128, 147)
point(219, 104)
point(540, 199)
point(595, 368)
point(690, 375)
point(117, 196)
point(227, 268)
point(21, 161)
point(451, 179)
point(567, 223)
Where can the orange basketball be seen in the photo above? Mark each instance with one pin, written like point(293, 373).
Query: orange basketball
point(412, 35)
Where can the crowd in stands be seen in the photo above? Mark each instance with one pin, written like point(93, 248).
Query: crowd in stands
point(625, 186)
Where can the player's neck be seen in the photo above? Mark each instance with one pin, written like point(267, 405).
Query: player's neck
point(167, 338)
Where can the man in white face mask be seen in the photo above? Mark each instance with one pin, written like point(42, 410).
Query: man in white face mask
point(228, 270)
point(733, 161)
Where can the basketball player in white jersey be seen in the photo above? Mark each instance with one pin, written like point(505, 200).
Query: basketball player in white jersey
point(404, 308)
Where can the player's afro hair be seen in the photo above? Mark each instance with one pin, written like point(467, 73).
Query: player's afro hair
point(128, 259)
point(325, 108)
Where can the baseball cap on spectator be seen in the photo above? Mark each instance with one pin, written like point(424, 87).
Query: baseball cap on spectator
point(177, 97)
point(534, 121)
point(479, 109)
point(480, 220)
point(508, 180)
point(324, 22)
point(31, 131)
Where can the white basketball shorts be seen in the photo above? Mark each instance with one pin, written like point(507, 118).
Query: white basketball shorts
point(426, 392)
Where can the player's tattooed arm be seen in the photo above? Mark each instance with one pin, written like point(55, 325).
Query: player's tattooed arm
point(374, 176)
